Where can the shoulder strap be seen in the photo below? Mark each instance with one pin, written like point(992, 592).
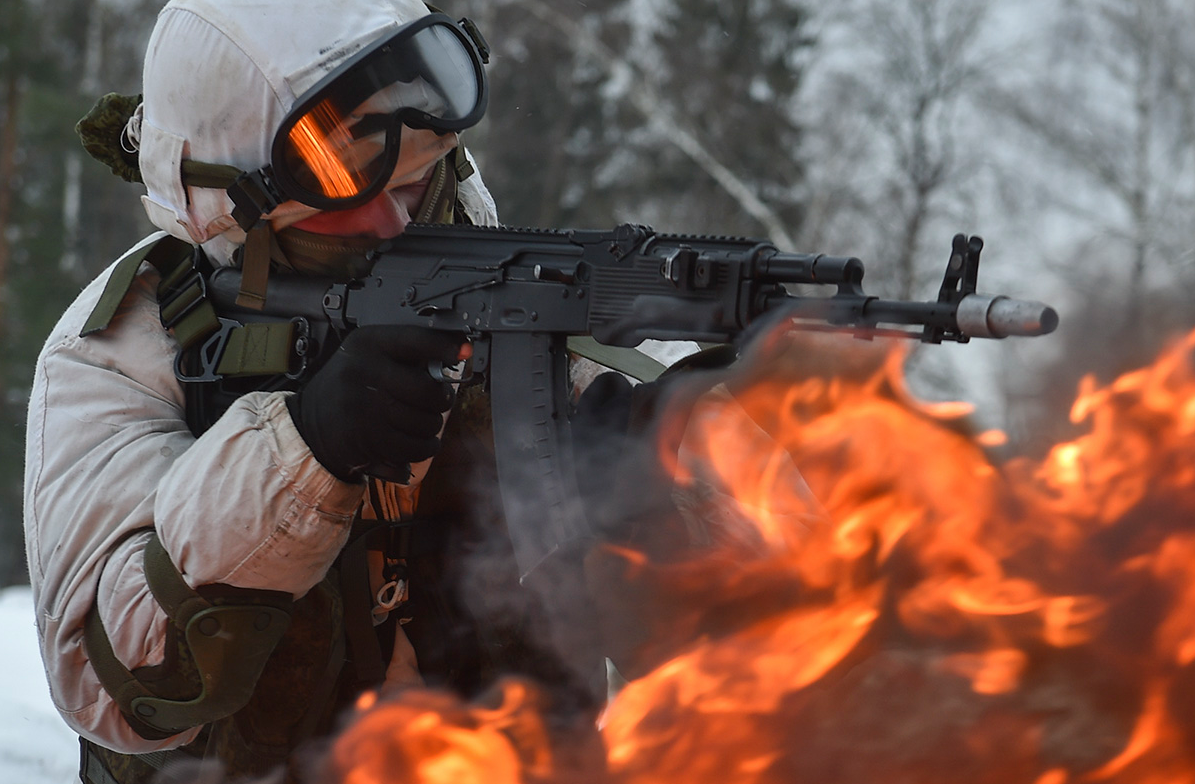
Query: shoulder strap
point(235, 349)
point(166, 254)
point(181, 291)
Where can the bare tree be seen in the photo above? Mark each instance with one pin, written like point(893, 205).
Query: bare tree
point(1104, 119)
point(889, 145)
point(72, 192)
point(1112, 104)
point(620, 108)
point(12, 91)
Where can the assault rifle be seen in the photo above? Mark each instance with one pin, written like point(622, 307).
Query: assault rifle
point(520, 293)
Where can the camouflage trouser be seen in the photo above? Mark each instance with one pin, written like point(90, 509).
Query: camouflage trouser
point(98, 765)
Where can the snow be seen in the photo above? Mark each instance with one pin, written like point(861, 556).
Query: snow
point(36, 746)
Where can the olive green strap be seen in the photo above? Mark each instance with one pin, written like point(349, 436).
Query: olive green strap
point(167, 254)
point(197, 174)
point(254, 349)
point(184, 308)
point(255, 266)
point(171, 591)
point(258, 349)
point(183, 304)
point(116, 679)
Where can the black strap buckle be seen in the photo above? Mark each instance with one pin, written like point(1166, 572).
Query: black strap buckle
point(208, 355)
point(254, 195)
point(182, 298)
point(303, 347)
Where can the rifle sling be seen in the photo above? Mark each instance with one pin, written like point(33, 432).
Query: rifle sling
point(166, 254)
point(252, 349)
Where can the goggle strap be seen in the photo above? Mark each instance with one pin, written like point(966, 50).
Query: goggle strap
point(483, 46)
point(197, 174)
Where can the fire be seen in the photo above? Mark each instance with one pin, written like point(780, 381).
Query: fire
point(428, 738)
point(879, 599)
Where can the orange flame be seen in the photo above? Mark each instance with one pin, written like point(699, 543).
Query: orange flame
point(430, 738)
point(881, 600)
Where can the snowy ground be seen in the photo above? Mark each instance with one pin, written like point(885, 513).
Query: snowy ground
point(36, 747)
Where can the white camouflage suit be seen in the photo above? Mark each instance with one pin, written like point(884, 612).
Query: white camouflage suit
point(109, 455)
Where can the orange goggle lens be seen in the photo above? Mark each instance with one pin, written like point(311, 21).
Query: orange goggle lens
point(321, 141)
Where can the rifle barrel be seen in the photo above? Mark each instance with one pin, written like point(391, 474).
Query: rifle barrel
point(983, 316)
point(975, 315)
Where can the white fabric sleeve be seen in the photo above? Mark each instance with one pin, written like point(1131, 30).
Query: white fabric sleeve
point(109, 456)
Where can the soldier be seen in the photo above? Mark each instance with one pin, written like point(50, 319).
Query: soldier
point(215, 566)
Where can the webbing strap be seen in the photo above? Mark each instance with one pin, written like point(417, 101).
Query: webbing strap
point(254, 349)
point(116, 679)
point(258, 349)
point(184, 307)
point(403, 540)
point(255, 267)
point(167, 585)
point(167, 254)
point(197, 174)
point(366, 654)
point(173, 594)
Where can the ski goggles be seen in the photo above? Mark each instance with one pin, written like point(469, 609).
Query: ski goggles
point(339, 144)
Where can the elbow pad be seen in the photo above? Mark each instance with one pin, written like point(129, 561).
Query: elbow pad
point(219, 643)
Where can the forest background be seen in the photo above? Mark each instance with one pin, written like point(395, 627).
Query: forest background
point(1062, 132)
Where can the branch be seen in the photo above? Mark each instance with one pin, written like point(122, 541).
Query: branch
point(646, 98)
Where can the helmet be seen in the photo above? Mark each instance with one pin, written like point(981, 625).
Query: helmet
point(220, 82)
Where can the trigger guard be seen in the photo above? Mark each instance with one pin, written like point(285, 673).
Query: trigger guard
point(453, 374)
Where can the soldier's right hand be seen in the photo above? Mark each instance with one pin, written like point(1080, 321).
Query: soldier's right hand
point(374, 407)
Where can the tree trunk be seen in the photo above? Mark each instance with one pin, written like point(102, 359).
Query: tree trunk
point(72, 191)
point(8, 166)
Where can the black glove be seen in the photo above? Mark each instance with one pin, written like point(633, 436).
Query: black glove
point(374, 407)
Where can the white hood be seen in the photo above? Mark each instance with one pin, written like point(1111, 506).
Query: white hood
point(220, 76)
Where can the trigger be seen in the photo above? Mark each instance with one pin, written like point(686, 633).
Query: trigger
point(454, 373)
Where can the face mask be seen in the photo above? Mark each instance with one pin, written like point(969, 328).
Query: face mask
point(342, 258)
point(323, 255)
